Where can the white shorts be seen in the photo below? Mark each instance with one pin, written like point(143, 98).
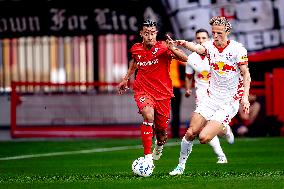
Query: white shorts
point(211, 109)
point(201, 94)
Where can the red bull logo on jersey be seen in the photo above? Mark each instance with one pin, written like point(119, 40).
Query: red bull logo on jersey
point(148, 63)
point(221, 67)
point(244, 58)
point(204, 75)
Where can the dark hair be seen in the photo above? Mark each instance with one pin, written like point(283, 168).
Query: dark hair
point(202, 30)
point(148, 23)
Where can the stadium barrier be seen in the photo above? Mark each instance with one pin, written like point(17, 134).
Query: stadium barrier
point(72, 110)
point(93, 109)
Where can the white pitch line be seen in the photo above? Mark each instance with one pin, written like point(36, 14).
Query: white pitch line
point(79, 152)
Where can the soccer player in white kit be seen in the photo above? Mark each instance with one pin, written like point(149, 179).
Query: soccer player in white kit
point(229, 84)
point(197, 66)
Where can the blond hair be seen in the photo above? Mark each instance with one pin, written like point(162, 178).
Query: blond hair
point(221, 21)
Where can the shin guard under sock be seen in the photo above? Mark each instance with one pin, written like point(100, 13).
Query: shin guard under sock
point(146, 135)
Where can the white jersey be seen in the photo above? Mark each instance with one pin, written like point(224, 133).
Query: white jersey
point(199, 66)
point(226, 82)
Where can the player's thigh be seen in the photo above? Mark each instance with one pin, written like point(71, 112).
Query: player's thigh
point(197, 122)
point(162, 114)
point(225, 113)
point(146, 105)
point(210, 130)
point(148, 113)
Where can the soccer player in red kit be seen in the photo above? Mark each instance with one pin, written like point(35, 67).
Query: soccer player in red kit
point(152, 86)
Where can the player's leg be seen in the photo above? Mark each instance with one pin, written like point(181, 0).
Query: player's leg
point(147, 130)
point(219, 122)
point(196, 124)
point(230, 110)
point(146, 106)
point(215, 144)
point(161, 136)
point(229, 134)
point(161, 122)
point(211, 129)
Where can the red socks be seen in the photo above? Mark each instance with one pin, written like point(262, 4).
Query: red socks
point(147, 134)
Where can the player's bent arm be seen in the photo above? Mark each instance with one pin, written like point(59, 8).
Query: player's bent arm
point(188, 79)
point(131, 69)
point(122, 86)
point(247, 79)
point(188, 85)
point(179, 54)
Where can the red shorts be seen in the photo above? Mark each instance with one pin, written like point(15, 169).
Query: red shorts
point(161, 108)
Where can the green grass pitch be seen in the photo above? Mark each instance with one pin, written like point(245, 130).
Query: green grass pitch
point(95, 163)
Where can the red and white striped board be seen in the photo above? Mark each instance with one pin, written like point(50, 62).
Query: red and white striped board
point(102, 59)
point(22, 61)
point(14, 60)
point(61, 77)
point(30, 62)
point(37, 54)
point(68, 61)
point(7, 70)
point(83, 61)
point(53, 60)
point(90, 59)
point(45, 61)
point(76, 60)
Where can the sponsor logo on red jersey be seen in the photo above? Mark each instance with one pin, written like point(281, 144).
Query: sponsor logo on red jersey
point(148, 63)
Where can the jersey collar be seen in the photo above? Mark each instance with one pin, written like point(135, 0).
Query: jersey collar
point(220, 49)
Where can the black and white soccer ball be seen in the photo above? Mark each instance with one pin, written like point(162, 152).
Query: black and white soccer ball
point(142, 167)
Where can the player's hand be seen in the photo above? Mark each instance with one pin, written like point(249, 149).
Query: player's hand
point(170, 43)
point(245, 104)
point(181, 42)
point(122, 86)
point(188, 93)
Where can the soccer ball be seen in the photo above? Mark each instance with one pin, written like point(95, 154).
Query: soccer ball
point(142, 167)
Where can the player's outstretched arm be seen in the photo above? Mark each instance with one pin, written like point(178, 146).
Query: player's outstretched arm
point(247, 79)
point(191, 46)
point(179, 54)
point(122, 86)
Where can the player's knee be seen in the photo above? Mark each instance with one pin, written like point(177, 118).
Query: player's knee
point(190, 134)
point(204, 139)
point(149, 117)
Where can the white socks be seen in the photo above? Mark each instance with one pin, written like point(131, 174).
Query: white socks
point(215, 144)
point(185, 150)
point(149, 157)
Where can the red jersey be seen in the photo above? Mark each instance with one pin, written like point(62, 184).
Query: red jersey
point(153, 75)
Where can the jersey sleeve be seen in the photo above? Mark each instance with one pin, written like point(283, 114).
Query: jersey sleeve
point(188, 68)
point(242, 57)
point(136, 51)
point(207, 45)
